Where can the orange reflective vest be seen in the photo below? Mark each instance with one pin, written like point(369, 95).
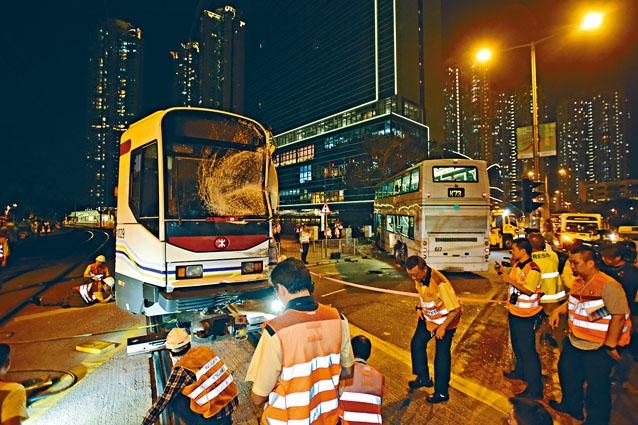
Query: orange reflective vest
point(586, 320)
point(99, 269)
point(214, 387)
point(307, 389)
point(432, 306)
point(361, 396)
point(526, 305)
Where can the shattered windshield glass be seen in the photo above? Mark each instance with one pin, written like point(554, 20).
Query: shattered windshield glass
point(214, 167)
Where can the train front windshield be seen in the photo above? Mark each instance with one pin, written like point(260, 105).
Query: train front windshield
point(214, 166)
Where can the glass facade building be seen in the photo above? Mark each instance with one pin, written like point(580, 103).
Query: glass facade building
point(352, 92)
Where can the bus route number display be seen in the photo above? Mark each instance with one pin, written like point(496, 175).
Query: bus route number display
point(456, 192)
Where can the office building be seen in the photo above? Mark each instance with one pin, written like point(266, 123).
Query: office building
point(114, 75)
point(352, 92)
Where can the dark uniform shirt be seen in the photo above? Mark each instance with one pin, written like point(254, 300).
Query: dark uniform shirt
point(180, 378)
point(627, 275)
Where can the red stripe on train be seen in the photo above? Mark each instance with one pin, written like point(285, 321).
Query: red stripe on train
point(217, 243)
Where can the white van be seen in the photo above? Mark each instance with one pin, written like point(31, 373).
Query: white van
point(583, 226)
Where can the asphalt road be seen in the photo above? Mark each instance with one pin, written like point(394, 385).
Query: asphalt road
point(45, 339)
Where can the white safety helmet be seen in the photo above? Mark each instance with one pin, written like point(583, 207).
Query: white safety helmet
point(109, 281)
point(100, 258)
point(177, 338)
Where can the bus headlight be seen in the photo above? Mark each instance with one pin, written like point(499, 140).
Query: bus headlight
point(248, 267)
point(192, 271)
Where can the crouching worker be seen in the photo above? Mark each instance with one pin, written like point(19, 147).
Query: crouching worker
point(200, 389)
point(361, 395)
point(94, 292)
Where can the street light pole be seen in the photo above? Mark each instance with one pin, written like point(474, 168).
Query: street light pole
point(535, 136)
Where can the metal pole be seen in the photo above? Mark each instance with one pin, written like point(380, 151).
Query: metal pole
point(535, 138)
point(546, 208)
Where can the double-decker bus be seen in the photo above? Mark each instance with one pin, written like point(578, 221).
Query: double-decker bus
point(196, 194)
point(438, 209)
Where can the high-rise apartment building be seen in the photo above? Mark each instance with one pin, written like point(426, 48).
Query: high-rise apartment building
point(479, 137)
point(504, 145)
point(115, 66)
point(454, 117)
point(209, 70)
point(185, 74)
point(349, 90)
point(593, 136)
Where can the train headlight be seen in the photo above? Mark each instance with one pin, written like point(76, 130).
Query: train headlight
point(277, 306)
point(248, 267)
point(192, 271)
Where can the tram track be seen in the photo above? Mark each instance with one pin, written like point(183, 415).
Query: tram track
point(20, 293)
point(20, 285)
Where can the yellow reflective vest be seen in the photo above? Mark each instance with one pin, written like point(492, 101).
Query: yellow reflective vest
point(551, 284)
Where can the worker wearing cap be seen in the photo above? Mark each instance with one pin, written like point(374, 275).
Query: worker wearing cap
point(200, 389)
point(97, 270)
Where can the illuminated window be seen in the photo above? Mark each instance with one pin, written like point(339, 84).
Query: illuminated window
point(306, 153)
point(305, 173)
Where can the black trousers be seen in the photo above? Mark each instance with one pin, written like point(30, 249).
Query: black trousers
point(442, 356)
point(180, 407)
point(304, 251)
point(528, 364)
point(575, 367)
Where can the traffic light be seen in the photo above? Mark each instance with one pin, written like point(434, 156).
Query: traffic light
point(529, 195)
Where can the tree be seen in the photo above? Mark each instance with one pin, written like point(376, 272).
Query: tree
point(381, 157)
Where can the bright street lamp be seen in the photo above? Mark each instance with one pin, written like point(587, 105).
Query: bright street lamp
point(591, 21)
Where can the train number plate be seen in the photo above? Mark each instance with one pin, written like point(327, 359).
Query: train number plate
point(456, 192)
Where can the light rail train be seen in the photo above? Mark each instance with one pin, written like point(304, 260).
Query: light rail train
point(196, 193)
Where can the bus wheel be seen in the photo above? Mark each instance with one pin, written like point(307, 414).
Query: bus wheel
point(507, 243)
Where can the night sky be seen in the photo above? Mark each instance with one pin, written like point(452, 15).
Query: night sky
point(43, 65)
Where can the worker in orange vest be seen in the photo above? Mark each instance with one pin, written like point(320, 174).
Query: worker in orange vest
point(599, 323)
point(361, 395)
point(200, 388)
point(524, 318)
point(305, 348)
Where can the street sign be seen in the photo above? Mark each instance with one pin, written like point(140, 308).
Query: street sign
point(325, 209)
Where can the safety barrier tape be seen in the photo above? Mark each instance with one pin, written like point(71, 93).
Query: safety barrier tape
point(401, 293)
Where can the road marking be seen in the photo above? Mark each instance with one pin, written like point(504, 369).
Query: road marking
point(333, 292)
point(52, 312)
